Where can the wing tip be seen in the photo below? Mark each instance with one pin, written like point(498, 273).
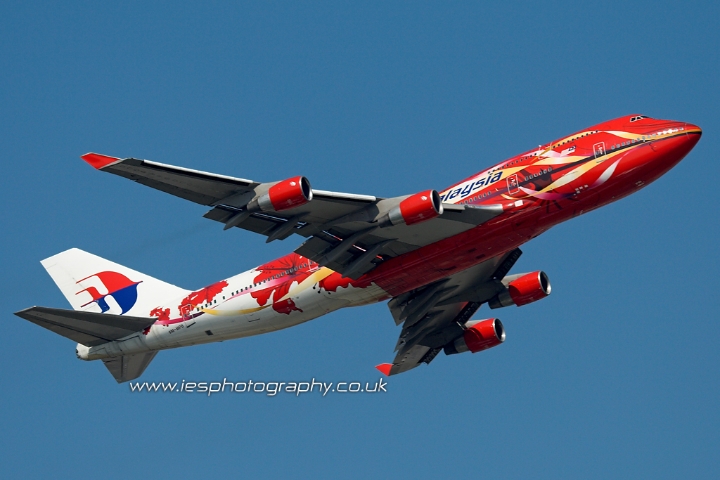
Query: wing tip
point(385, 368)
point(99, 161)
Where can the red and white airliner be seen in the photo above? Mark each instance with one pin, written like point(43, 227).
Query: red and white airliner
point(436, 256)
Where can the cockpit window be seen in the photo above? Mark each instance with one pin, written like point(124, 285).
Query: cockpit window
point(639, 117)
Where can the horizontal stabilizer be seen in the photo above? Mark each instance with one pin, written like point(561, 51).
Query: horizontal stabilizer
point(129, 367)
point(87, 328)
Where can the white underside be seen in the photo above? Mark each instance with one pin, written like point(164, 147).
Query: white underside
point(224, 325)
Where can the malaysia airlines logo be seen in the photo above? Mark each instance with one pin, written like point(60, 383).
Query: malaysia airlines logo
point(118, 286)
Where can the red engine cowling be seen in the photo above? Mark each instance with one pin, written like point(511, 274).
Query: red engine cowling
point(526, 288)
point(417, 208)
point(284, 195)
point(478, 336)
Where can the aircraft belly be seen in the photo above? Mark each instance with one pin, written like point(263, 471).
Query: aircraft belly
point(222, 325)
point(134, 343)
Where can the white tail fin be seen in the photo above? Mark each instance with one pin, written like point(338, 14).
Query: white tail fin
point(93, 284)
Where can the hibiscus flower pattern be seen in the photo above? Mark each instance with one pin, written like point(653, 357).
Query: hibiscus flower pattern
point(199, 297)
point(277, 277)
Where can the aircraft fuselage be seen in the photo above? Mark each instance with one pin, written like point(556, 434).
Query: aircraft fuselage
point(537, 189)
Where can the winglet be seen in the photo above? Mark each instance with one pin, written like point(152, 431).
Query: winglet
point(385, 368)
point(99, 161)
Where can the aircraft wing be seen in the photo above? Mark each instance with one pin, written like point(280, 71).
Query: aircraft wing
point(345, 232)
point(432, 315)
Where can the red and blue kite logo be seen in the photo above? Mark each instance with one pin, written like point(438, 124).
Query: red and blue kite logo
point(118, 286)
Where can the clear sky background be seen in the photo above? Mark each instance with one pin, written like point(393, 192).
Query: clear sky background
point(614, 375)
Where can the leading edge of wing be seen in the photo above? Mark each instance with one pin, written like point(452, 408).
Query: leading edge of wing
point(349, 233)
point(325, 194)
point(196, 186)
point(100, 162)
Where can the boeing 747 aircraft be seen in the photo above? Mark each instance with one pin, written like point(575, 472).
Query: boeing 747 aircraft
point(436, 256)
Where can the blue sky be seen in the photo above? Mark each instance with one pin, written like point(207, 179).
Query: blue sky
point(614, 375)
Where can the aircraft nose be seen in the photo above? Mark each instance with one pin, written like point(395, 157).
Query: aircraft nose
point(689, 127)
point(693, 133)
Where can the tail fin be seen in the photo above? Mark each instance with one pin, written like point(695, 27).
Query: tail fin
point(93, 284)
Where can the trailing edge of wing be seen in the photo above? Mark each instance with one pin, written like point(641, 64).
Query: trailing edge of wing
point(87, 328)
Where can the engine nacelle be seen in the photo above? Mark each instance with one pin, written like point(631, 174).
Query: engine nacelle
point(284, 195)
point(478, 336)
point(523, 289)
point(416, 208)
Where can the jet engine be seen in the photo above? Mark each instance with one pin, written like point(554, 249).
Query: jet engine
point(522, 289)
point(284, 195)
point(416, 208)
point(479, 335)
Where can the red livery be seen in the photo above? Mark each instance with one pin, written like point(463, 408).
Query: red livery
point(435, 257)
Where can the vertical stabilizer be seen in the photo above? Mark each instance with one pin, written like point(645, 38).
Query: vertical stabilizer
point(93, 284)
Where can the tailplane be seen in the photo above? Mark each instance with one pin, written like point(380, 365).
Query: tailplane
point(91, 329)
point(86, 328)
point(128, 367)
point(110, 302)
point(93, 284)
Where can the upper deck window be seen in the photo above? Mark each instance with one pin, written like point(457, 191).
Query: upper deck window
point(639, 117)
